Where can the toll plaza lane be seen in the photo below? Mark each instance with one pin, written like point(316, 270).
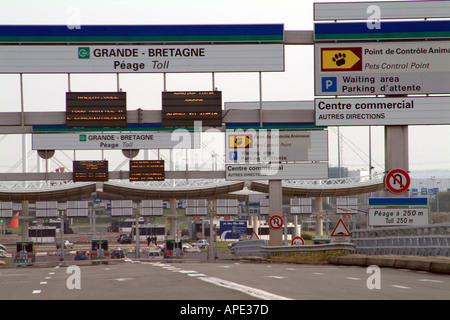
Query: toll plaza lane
point(162, 280)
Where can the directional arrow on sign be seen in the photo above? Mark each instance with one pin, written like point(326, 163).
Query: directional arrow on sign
point(240, 141)
point(342, 59)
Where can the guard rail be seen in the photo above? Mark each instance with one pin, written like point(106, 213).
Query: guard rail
point(249, 248)
point(259, 248)
point(428, 240)
point(318, 250)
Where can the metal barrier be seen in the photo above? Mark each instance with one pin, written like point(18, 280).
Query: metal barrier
point(317, 251)
point(428, 240)
point(259, 248)
point(251, 248)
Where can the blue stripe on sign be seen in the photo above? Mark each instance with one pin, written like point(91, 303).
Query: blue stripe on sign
point(398, 201)
point(386, 27)
point(141, 30)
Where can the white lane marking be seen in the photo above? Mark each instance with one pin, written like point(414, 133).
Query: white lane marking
point(187, 271)
point(430, 280)
point(401, 287)
point(275, 277)
point(318, 273)
point(123, 279)
point(43, 282)
point(36, 291)
point(351, 278)
point(257, 293)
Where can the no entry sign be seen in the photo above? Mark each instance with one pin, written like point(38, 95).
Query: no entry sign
point(276, 222)
point(397, 181)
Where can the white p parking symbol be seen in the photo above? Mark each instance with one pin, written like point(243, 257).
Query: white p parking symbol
point(328, 83)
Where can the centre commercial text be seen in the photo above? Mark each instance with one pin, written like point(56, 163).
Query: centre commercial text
point(258, 170)
point(322, 105)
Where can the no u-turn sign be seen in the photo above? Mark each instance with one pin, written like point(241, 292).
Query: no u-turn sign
point(276, 222)
point(397, 181)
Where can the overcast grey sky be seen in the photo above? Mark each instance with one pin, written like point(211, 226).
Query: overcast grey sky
point(429, 146)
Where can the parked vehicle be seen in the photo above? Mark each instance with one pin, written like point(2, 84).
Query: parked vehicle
point(117, 253)
point(125, 239)
point(201, 244)
point(119, 238)
point(81, 255)
point(67, 244)
point(155, 255)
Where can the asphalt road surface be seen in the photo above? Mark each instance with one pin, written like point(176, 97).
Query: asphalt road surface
point(231, 281)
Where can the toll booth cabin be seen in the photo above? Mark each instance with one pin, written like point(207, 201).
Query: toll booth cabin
point(42, 234)
point(25, 252)
point(173, 249)
point(99, 249)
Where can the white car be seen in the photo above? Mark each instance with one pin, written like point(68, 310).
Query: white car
point(67, 244)
point(201, 243)
point(189, 248)
point(155, 255)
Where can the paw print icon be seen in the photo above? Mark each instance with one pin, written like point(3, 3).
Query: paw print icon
point(339, 59)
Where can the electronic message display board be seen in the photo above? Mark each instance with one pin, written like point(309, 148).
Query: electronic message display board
point(146, 170)
point(96, 109)
point(182, 109)
point(90, 171)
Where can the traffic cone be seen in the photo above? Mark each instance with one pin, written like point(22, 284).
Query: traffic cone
point(14, 222)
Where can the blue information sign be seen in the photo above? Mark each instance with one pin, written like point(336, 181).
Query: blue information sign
point(232, 229)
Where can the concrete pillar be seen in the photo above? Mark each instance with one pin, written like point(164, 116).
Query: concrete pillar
point(23, 223)
point(173, 218)
point(396, 153)
point(275, 209)
point(319, 219)
point(396, 148)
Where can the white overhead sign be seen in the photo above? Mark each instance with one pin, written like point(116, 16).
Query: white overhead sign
point(276, 145)
point(152, 208)
point(115, 141)
point(77, 208)
point(382, 68)
point(227, 207)
point(196, 207)
point(301, 205)
point(280, 171)
point(373, 111)
point(387, 10)
point(142, 58)
point(380, 217)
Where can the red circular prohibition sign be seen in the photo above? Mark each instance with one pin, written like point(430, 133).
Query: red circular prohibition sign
point(397, 181)
point(276, 222)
